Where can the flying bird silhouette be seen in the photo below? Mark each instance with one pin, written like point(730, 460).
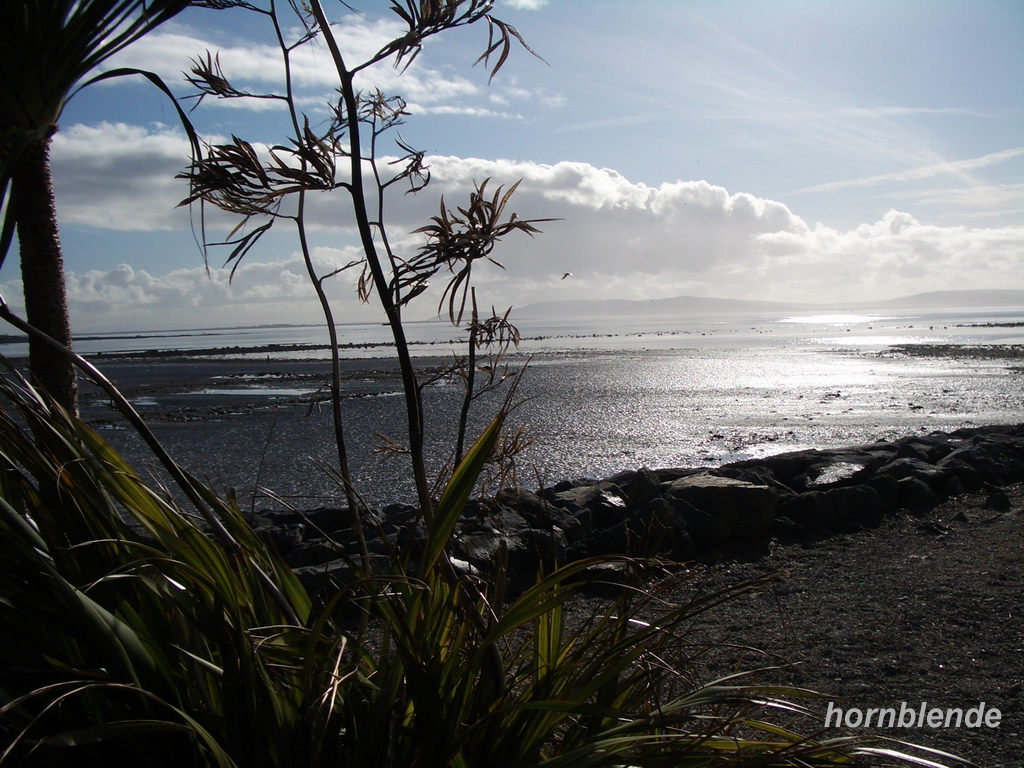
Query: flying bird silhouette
point(567, 274)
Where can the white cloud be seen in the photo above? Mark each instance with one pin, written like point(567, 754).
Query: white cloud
point(257, 67)
point(117, 176)
point(526, 5)
point(260, 292)
point(619, 238)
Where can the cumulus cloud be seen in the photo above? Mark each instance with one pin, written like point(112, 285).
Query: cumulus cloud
point(622, 239)
point(259, 293)
point(117, 176)
point(619, 238)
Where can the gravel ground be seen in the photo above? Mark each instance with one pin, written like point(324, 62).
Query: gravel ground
point(918, 610)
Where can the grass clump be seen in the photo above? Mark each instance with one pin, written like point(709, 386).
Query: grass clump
point(129, 631)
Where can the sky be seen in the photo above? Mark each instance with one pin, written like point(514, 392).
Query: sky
point(785, 150)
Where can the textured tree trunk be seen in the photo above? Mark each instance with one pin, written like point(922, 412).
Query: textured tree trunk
point(42, 274)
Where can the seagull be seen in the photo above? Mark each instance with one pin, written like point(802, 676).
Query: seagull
point(567, 274)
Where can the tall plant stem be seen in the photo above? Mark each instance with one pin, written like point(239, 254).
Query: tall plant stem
point(467, 399)
point(413, 403)
point(325, 306)
point(339, 431)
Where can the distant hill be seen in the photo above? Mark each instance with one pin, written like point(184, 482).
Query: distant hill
point(955, 300)
point(680, 306)
point(688, 306)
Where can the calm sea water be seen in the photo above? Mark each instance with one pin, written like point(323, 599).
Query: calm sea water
point(866, 329)
point(598, 396)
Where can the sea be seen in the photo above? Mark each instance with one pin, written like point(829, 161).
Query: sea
point(597, 395)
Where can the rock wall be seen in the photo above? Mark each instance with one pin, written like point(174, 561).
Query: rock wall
point(680, 514)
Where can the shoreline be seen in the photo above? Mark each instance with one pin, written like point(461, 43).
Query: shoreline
point(256, 422)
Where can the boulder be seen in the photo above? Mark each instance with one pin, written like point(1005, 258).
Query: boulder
point(706, 531)
point(917, 496)
point(836, 509)
point(606, 502)
point(746, 507)
point(903, 468)
point(995, 459)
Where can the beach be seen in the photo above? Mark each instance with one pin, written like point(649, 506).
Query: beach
point(244, 421)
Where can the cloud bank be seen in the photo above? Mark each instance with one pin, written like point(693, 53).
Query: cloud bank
point(619, 239)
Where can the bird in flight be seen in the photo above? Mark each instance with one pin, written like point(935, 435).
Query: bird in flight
point(567, 274)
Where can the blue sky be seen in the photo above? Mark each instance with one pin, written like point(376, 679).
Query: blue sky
point(797, 151)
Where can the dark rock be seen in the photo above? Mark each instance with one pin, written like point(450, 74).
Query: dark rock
point(315, 552)
point(638, 486)
point(837, 509)
point(576, 525)
point(706, 531)
point(933, 447)
point(746, 507)
point(526, 503)
point(912, 450)
point(756, 476)
point(900, 469)
point(330, 576)
point(997, 501)
point(786, 467)
point(283, 538)
point(917, 496)
point(676, 513)
point(606, 502)
point(887, 487)
point(995, 459)
point(784, 528)
point(662, 530)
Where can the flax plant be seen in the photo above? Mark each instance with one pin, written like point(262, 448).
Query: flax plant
point(130, 634)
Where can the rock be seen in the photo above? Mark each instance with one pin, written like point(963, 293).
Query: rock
point(997, 501)
point(901, 469)
point(746, 507)
point(836, 509)
point(329, 576)
point(786, 467)
point(606, 502)
point(917, 496)
point(912, 450)
point(784, 528)
point(315, 552)
point(283, 538)
point(638, 485)
point(706, 531)
point(662, 530)
point(674, 512)
point(997, 459)
point(575, 523)
point(526, 503)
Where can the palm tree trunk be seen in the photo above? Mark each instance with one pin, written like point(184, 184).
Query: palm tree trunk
point(42, 274)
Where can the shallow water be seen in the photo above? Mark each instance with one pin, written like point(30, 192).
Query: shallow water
point(654, 393)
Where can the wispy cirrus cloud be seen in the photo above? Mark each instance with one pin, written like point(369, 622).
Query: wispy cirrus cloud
point(257, 67)
point(923, 171)
point(526, 5)
point(897, 111)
